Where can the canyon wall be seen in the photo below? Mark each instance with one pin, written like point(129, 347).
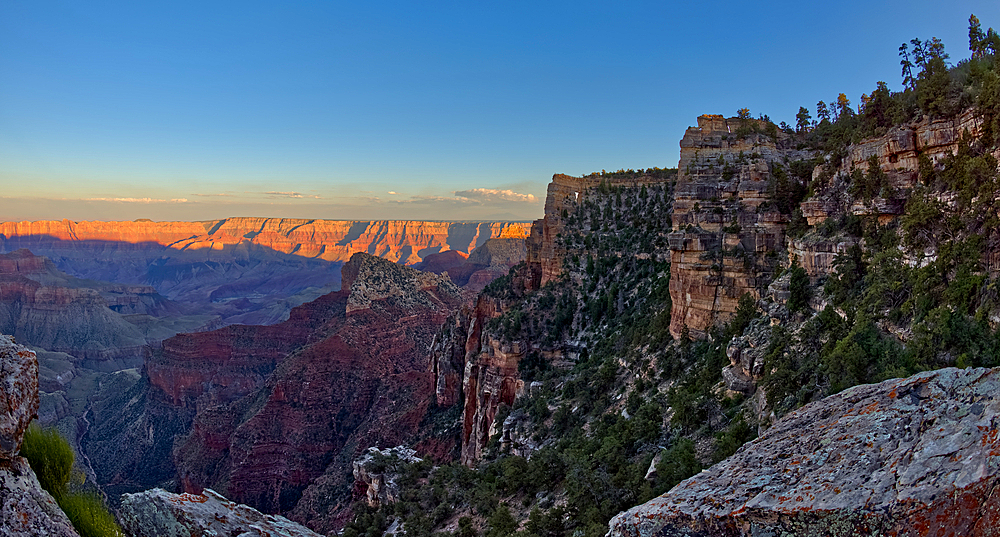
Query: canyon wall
point(242, 270)
point(727, 227)
point(730, 229)
point(564, 194)
point(405, 242)
point(273, 416)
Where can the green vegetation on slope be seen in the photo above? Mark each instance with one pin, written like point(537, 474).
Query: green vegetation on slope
point(916, 293)
point(51, 458)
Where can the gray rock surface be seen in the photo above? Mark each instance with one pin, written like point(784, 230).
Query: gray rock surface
point(25, 508)
point(160, 513)
point(913, 456)
point(19, 384)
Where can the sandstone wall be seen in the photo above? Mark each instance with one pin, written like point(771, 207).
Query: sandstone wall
point(726, 228)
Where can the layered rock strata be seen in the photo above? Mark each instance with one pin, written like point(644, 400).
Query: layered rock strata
point(278, 421)
point(44, 307)
point(161, 513)
point(898, 154)
point(725, 219)
point(906, 457)
point(25, 508)
point(245, 270)
point(726, 226)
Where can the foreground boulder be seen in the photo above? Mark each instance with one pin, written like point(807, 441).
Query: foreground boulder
point(25, 508)
point(914, 456)
point(161, 513)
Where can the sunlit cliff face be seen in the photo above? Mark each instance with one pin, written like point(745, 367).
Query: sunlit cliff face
point(404, 242)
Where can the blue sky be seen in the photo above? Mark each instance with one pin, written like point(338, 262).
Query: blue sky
point(402, 110)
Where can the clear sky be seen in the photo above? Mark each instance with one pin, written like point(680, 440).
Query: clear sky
point(402, 110)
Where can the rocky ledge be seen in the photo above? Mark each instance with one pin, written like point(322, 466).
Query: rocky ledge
point(907, 457)
point(161, 513)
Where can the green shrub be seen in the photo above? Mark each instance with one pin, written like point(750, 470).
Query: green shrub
point(50, 457)
point(89, 515)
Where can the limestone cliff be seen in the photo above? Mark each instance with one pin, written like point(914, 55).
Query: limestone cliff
point(907, 457)
point(727, 224)
point(730, 228)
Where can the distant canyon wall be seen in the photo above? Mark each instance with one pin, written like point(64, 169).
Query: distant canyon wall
point(246, 270)
point(405, 242)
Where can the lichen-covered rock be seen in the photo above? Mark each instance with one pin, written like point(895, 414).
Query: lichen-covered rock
point(26, 508)
point(163, 514)
point(19, 384)
point(377, 471)
point(907, 457)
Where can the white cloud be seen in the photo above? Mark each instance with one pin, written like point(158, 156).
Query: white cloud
point(492, 195)
point(274, 194)
point(139, 200)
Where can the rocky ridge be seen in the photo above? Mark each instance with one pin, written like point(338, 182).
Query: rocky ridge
point(273, 416)
point(913, 456)
point(376, 472)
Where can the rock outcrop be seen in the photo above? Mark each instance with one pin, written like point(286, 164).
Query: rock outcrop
point(376, 472)
point(161, 513)
point(471, 365)
point(490, 379)
point(25, 508)
point(726, 220)
point(907, 457)
point(275, 415)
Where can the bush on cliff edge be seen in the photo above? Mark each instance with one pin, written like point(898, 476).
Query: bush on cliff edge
point(51, 458)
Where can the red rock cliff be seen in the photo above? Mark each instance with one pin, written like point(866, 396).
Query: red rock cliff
point(282, 410)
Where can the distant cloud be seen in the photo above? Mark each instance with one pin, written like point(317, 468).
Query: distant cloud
point(492, 195)
point(139, 200)
point(426, 200)
point(289, 195)
point(214, 195)
point(392, 192)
